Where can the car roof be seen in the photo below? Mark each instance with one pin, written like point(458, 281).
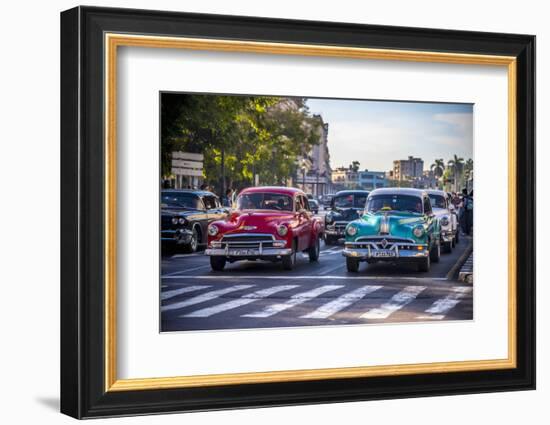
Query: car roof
point(189, 191)
point(436, 192)
point(398, 191)
point(273, 189)
point(352, 192)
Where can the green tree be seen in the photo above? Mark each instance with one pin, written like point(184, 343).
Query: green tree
point(240, 136)
point(354, 166)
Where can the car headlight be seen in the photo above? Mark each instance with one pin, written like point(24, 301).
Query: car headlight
point(181, 220)
point(418, 231)
point(445, 221)
point(213, 230)
point(329, 218)
point(174, 220)
point(282, 230)
point(351, 230)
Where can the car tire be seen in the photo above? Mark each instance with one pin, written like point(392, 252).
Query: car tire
point(217, 263)
point(457, 236)
point(352, 264)
point(192, 246)
point(435, 253)
point(424, 264)
point(314, 250)
point(448, 247)
point(290, 260)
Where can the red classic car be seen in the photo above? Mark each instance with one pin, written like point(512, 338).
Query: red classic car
point(269, 223)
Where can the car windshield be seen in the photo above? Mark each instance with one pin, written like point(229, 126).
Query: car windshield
point(405, 203)
point(438, 201)
point(180, 200)
point(264, 201)
point(350, 201)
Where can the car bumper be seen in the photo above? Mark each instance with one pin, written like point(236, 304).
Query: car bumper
point(415, 252)
point(447, 235)
point(178, 236)
point(248, 252)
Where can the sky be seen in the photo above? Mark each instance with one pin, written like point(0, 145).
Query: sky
point(376, 133)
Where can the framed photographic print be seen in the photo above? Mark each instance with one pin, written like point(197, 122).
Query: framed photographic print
point(261, 212)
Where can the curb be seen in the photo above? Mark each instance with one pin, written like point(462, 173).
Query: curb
point(466, 273)
point(466, 255)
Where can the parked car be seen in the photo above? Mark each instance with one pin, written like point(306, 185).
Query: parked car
point(314, 206)
point(185, 215)
point(269, 223)
point(448, 221)
point(345, 206)
point(398, 226)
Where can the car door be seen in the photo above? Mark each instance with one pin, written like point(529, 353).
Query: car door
point(213, 208)
point(429, 217)
point(305, 223)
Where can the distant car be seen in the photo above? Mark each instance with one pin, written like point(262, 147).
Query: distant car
point(327, 200)
point(448, 221)
point(345, 206)
point(269, 223)
point(314, 206)
point(185, 215)
point(398, 226)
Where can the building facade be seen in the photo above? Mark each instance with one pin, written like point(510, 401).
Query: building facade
point(408, 169)
point(314, 172)
point(370, 180)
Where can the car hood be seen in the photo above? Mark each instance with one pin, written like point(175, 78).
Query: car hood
point(254, 221)
point(398, 225)
point(439, 212)
point(345, 214)
point(177, 211)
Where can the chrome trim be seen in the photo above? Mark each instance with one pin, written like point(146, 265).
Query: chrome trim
point(241, 235)
point(265, 252)
point(367, 253)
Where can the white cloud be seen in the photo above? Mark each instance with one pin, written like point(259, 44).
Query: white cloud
point(462, 123)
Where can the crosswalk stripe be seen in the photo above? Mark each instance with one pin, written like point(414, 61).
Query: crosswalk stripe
point(442, 306)
point(204, 297)
point(293, 301)
point(175, 292)
point(398, 301)
point(244, 300)
point(341, 302)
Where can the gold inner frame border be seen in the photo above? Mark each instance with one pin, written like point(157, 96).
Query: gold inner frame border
point(111, 43)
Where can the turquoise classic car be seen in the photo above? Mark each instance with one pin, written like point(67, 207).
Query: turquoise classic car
point(398, 226)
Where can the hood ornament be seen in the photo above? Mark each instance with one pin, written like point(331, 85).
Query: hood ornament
point(385, 225)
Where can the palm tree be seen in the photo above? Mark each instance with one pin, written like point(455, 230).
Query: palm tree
point(438, 168)
point(457, 165)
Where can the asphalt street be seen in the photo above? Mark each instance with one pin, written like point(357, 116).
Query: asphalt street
point(256, 294)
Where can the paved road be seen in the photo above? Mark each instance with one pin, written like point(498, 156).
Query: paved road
point(262, 295)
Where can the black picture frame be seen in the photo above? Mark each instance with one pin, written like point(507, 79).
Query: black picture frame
point(83, 392)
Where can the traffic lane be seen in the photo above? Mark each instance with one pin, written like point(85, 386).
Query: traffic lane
point(330, 262)
point(308, 302)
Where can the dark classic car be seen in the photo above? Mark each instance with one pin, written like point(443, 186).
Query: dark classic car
point(345, 206)
point(269, 223)
point(185, 215)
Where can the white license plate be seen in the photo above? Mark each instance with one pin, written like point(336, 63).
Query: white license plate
point(384, 253)
point(243, 252)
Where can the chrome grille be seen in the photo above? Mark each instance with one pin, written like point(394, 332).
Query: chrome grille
point(247, 240)
point(381, 242)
